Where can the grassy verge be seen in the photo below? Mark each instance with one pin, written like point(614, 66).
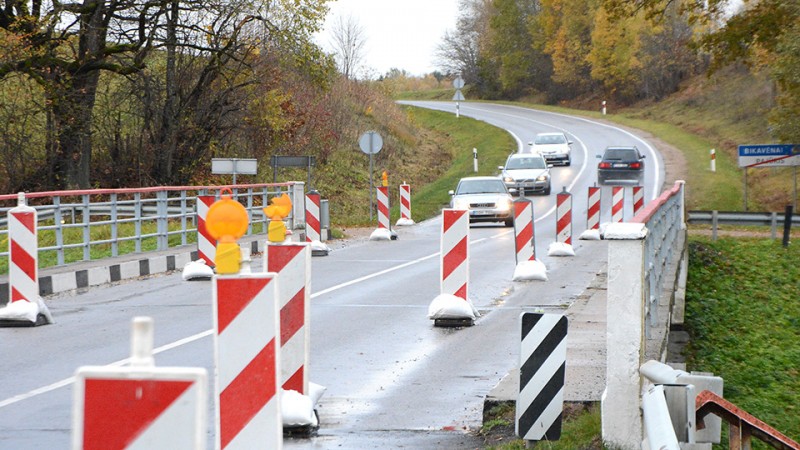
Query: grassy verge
point(743, 316)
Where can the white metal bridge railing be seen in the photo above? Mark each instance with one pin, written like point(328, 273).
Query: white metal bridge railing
point(160, 217)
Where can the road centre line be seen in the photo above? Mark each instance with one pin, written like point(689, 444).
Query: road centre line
point(187, 340)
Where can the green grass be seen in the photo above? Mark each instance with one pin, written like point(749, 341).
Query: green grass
point(743, 316)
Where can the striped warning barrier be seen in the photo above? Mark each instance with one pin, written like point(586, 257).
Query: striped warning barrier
point(638, 199)
point(523, 230)
point(543, 355)
point(247, 358)
point(312, 216)
point(140, 406)
point(617, 203)
point(382, 197)
point(206, 245)
point(405, 206)
point(455, 253)
point(564, 217)
point(25, 307)
point(593, 211)
point(292, 263)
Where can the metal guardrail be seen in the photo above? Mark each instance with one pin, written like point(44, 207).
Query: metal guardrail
point(72, 215)
point(717, 218)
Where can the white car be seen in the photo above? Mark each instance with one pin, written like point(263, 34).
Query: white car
point(555, 147)
point(526, 173)
point(486, 198)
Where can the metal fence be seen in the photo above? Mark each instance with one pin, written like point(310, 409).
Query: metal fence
point(161, 217)
point(738, 218)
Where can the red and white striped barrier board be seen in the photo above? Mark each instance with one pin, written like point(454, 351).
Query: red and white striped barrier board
point(312, 216)
point(139, 407)
point(206, 245)
point(455, 254)
point(405, 206)
point(247, 357)
point(523, 231)
point(382, 197)
point(593, 211)
point(25, 307)
point(564, 217)
point(292, 263)
point(617, 203)
point(638, 199)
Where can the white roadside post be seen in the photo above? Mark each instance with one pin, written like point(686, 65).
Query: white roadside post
point(713, 160)
point(475, 160)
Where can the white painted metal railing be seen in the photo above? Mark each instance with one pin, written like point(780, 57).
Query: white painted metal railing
point(61, 212)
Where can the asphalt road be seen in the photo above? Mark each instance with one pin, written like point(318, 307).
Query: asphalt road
point(393, 380)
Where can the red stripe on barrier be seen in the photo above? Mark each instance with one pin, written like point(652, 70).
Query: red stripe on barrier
point(238, 293)
point(201, 228)
point(524, 238)
point(17, 295)
point(281, 255)
point(312, 223)
point(449, 219)
point(461, 292)
point(27, 220)
point(293, 316)
point(453, 259)
point(22, 259)
point(247, 394)
point(295, 382)
point(115, 415)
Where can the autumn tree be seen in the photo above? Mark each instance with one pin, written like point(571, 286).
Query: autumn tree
point(348, 41)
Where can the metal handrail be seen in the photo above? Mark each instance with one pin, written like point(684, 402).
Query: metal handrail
point(62, 211)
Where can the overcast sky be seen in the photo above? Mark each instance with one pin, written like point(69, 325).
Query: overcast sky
point(400, 34)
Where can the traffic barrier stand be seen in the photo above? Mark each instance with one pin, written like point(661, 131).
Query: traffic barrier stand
point(313, 232)
point(638, 199)
point(617, 203)
point(528, 267)
point(384, 231)
point(292, 263)
point(247, 361)
point(25, 308)
point(139, 406)
point(452, 306)
point(563, 244)
point(206, 244)
point(405, 206)
point(592, 232)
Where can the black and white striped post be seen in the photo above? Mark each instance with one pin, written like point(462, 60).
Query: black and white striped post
point(543, 357)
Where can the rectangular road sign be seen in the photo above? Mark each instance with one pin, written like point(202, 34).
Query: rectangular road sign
point(769, 155)
point(241, 166)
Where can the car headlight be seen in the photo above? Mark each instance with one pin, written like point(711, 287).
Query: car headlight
point(504, 204)
point(508, 179)
point(460, 204)
point(543, 178)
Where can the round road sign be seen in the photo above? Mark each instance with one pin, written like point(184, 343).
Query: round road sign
point(458, 83)
point(370, 142)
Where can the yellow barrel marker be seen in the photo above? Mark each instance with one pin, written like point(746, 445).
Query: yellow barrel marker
point(226, 222)
point(278, 210)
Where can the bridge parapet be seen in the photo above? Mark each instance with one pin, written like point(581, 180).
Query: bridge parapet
point(644, 257)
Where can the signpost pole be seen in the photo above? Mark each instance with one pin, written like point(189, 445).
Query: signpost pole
point(745, 188)
point(371, 185)
point(370, 143)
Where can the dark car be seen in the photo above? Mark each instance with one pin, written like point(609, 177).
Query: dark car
point(620, 164)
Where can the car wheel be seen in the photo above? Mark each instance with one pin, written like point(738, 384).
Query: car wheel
point(509, 222)
point(569, 162)
point(547, 191)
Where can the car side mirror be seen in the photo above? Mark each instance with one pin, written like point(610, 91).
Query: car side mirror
point(569, 142)
point(549, 166)
point(512, 191)
point(598, 156)
point(500, 167)
point(451, 192)
point(643, 156)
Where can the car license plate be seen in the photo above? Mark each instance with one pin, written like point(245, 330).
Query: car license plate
point(481, 213)
point(620, 165)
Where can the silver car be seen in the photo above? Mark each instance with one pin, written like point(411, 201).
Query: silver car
point(486, 198)
point(526, 173)
point(555, 147)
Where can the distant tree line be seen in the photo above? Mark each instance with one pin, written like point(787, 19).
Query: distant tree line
point(622, 50)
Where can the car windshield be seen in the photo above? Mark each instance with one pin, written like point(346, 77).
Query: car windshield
point(550, 139)
point(481, 187)
point(525, 163)
point(621, 154)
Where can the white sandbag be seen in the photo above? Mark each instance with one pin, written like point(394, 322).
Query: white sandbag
point(297, 410)
point(590, 235)
point(448, 306)
point(603, 227)
point(20, 310)
point(403, 222)
point(315, 391)
point(560, 249)
point(319, 246)
point(381, 234)
point(530, 270)
point(197, 270)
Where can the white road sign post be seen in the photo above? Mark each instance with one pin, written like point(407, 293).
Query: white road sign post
point(458, 83)
point(370, 143)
